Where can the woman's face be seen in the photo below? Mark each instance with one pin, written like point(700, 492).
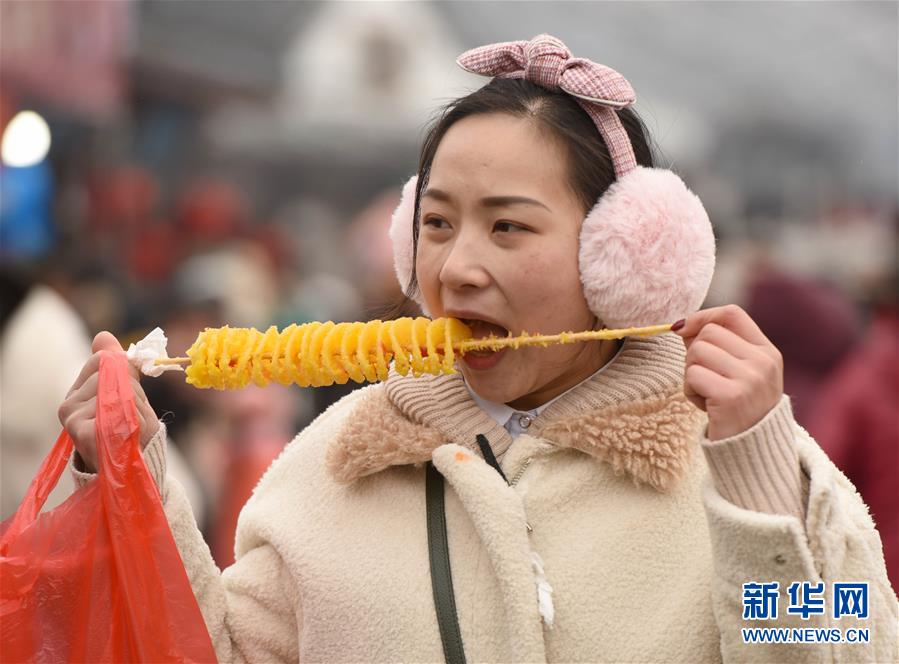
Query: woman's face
point(498, 240)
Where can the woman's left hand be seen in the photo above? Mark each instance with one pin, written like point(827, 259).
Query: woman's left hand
point(733, 372)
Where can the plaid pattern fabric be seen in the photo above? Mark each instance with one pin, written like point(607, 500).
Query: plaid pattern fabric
point(546, 61)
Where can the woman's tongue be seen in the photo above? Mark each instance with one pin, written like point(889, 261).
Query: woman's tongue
point(481, 329)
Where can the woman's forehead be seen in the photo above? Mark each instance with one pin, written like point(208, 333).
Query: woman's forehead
point(497, 155)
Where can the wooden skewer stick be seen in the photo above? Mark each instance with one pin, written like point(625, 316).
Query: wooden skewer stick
point(172, 360)
point(525, 339)
point(561, 338)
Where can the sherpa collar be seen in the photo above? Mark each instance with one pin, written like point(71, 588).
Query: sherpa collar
point(633, 415)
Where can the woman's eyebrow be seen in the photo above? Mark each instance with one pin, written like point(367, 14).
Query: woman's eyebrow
point(489, 201)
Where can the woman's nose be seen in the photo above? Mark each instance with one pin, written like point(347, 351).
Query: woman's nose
point(465, 265)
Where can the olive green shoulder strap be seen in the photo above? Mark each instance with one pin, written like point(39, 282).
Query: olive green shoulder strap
point(441, 575)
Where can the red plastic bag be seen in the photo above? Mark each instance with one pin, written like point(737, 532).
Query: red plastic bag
point(98, 579)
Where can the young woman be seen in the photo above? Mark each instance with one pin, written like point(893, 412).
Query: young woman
point(604, 501)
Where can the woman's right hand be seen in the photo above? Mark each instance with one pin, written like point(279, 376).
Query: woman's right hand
point(78, 412)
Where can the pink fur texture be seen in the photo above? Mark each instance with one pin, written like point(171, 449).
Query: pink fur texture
point(647, 251)
point(401, 236)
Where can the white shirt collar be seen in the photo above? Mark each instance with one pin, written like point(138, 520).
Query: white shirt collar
point(510, 418)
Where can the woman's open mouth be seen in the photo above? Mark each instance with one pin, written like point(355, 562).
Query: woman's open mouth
point(483, 359)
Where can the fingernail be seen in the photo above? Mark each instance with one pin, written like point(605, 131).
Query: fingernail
point(678, 325)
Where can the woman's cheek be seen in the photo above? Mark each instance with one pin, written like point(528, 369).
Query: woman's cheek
point(536, 271)
point(426, 271)
point(549, 283)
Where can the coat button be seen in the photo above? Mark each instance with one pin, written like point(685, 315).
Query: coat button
point(524, 421)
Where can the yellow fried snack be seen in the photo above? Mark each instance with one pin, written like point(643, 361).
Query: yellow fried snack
point(319, 354)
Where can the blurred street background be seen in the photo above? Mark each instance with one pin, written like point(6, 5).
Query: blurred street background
point(200, 163)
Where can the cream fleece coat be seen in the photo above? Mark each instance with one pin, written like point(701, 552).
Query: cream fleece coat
point(644, 555)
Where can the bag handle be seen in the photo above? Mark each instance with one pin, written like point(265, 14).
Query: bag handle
point(119, 420)
point(48, 475)
point(441, 574)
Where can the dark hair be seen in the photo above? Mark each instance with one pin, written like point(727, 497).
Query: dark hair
point(590, 167)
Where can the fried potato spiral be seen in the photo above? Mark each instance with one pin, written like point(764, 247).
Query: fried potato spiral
point(319, 354)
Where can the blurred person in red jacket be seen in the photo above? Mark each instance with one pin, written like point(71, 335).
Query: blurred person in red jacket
point(261, 422)
point(811, 321)
point(856, 419)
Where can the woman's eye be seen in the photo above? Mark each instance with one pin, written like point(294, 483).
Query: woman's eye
point(433, 221)
point(507, 226)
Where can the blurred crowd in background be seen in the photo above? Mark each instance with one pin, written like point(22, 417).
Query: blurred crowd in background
point(197, 164)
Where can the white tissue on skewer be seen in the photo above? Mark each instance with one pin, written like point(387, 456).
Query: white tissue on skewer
point(145, 352)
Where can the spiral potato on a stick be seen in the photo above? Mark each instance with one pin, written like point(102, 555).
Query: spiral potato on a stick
point(320, 354)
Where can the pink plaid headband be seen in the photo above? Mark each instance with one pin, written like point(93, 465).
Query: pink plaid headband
point(546, 61)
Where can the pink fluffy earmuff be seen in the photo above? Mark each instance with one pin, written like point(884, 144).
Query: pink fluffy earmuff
point(647, 250)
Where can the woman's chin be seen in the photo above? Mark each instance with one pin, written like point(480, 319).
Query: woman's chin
point(491, 385)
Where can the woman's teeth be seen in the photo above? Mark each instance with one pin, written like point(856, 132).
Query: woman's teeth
point(482, 329)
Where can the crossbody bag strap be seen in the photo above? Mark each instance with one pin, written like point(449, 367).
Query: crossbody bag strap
point(441, 575)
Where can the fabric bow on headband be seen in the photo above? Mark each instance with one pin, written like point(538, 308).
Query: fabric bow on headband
point(546, 61)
